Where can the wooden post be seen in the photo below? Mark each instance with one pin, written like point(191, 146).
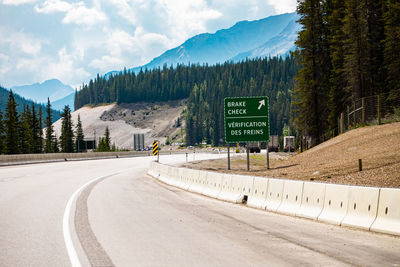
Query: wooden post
point(341, 122)
point(360, 164)
point(379, 110)
point(348, 117)
point(363, 109)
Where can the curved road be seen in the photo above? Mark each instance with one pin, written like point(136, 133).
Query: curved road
point(122, 217)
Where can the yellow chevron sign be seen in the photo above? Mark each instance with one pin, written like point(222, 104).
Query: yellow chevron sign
point(155, 148)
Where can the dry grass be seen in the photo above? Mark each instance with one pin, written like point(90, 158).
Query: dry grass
point(335, 161)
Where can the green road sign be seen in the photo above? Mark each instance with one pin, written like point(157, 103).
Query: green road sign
point(246, 119)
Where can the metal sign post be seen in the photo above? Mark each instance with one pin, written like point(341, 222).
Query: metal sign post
point(248, 156)
point(229, 157)
point(246, 120)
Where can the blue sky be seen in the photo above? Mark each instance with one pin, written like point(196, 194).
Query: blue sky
point(74, 40)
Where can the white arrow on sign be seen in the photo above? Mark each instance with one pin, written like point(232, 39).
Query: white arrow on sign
point(262, 103)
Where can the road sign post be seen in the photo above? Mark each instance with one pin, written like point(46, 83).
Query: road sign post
point(246, 119)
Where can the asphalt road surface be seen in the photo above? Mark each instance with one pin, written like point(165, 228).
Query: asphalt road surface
point(110, 213)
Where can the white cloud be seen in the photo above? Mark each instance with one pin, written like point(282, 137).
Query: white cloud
point(105, 35)
point(5, 65)
point(20, 41)
point(65, 69)
point(51, 6)
point(17, 2)
point(76, 13)
point(80, 14)
point(283, 6)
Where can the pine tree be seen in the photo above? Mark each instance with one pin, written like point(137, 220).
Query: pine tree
point(40, 137)
point(2, 134)
point(392, 48)
point(67, 134)
point(337, 94)
point(26, 142)
point(107, 139)
point(49, 139)
point(310, 101)
point(35, 126)
point(79, 135)
point(11, 123)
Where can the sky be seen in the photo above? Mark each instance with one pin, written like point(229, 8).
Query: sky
point(74, 40)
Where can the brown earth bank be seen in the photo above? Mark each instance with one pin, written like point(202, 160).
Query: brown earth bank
point(334, 161)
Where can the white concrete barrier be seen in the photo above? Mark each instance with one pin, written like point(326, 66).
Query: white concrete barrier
point(247, 184)
point(312, 201)
point(375, 209)
point(335, 204)
point(274, 194)
point(153, 170)
point(291, 197)
point(259, 193)
point(163, 173)
point(183, 178)
point(199, 183)
point(228, 192)
point(388, 218)
point(193, 178)
point(362, 207)
point(213, 186)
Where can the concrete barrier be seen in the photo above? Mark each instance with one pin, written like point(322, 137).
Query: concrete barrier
point(227, 191)
point(375, 209)
point(237, 187)
point(335, 204)
point(274, 194)
point(183, 178)
point(259, 193)
point(199, 183)
point(213, 185)
point(388, 218)
point(193, 178)
point(312, 201)
point(153, 170)
point(362, 207)
point(247, 184)
point(291, 197)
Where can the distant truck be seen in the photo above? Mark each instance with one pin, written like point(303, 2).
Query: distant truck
point(273, 144)
point(254, 147)
point(288, 143)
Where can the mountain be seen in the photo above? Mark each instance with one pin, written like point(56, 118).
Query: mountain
point(61, 103)
point(4, 93)
point(275, 32)
point(39, 92)
point(281, 44)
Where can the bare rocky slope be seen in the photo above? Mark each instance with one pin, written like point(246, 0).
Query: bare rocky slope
point(155, 120)
point(334, 161)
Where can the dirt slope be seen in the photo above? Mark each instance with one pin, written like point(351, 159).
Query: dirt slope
point(155, 120)
point(336, 161)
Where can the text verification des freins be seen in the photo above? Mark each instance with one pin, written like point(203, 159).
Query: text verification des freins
point(248, 124)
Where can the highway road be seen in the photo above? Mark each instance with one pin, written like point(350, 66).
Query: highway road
point(110, 213)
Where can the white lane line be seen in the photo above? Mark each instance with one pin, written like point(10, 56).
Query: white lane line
point(73, 256)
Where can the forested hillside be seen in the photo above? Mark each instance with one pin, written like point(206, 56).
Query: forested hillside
point(348, 49)
point(206, 87)
point(21, 102)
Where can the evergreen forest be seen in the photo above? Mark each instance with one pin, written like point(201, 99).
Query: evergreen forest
point(348, 49)
point(205, 87)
